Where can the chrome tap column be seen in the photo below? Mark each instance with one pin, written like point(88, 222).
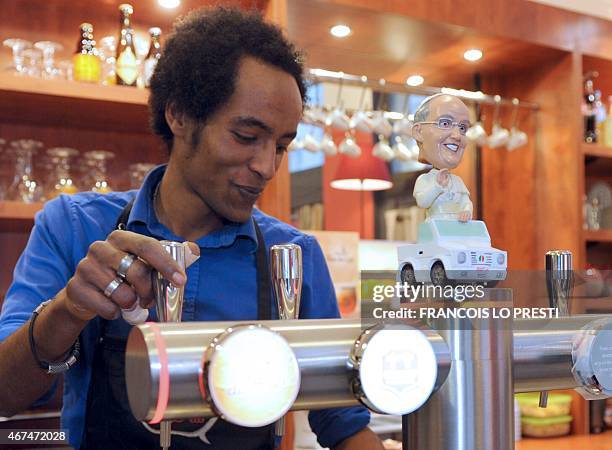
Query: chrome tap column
point(474, 408)
point(286, 274)
point(169, 305)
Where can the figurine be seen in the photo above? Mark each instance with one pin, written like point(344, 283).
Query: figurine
point(451, 247)
point(440, 125)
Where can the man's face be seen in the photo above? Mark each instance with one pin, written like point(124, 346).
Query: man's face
point(242, 145)
point(443, 149)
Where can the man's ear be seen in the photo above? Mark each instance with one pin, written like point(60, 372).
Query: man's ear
point(417, 132)
point(177, 121)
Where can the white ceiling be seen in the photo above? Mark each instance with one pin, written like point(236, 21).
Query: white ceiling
point(599, 8)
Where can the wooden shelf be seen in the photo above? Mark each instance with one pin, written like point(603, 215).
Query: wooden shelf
point(604, 235)
point(598, 304)
point(72, 104)
point(17, 216)
point(599, 151)
point(10, 210)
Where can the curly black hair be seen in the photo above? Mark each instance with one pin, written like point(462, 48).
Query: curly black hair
point(199, 64)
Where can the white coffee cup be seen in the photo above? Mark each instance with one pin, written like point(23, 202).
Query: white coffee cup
point(349, 146)
point(516, 139)
point(311, 144)
point(382, 149)
point(401, 150)
point(477, 134)
point(499, 137)
point(360, 121)
point(328, 146)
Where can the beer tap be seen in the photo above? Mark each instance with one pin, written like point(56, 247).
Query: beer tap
point(169, 305)
point(286, 274)
point(559, 284)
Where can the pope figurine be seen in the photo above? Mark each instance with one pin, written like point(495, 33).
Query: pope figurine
point(440, 124)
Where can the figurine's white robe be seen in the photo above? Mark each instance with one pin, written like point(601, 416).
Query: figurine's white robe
point(442, 202)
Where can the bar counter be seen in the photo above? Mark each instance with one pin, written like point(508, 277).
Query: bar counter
point(586, 441)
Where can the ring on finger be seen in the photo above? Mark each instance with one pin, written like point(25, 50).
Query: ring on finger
point(112, 286)
point(125, 264)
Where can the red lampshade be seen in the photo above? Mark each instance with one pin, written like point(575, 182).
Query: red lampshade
point(364, 173)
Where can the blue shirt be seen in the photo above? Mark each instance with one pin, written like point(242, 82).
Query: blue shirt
point(66, 227)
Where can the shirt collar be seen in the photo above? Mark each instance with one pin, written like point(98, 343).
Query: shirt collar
point(143, 215)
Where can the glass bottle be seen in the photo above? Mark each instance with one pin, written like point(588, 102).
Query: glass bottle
point(600, 115)
point(590, 130)
point(126, 62)
point(86, 64)
point(153, 56)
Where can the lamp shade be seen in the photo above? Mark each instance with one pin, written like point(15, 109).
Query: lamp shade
point(364, 173)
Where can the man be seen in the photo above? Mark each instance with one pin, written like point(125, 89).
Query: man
point(226, 97)
point(440, 125)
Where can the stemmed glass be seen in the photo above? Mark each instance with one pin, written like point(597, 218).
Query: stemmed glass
point(5, 172)
point(24, 188)
point(97, 160)
point(62, 182)
point(48, 49)
point(18, 46)
point(33, 62)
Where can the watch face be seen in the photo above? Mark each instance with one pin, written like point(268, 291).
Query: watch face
point(252, 376)
point(397, 370)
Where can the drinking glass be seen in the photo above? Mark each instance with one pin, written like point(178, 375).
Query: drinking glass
point(24, 188)
point(18, 46)
point(138, 172)
point(107, 54)
point(33, 62)
point(48, 49)
point(97, 160)
point(61, 180)
point(5, 170)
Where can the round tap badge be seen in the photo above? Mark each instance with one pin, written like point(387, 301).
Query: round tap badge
point(396, 369)
point(252, 375)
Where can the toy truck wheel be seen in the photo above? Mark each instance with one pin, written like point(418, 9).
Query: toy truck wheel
point(407, 275)
point(438, 275)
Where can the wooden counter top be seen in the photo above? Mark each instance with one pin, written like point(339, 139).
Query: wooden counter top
point(576, 442)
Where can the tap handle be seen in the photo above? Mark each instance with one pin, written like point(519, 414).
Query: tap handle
point(286, 274)
point(168, 297)
point(559, 280)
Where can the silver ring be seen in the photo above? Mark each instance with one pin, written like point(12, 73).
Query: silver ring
point(125, 264)
point(112, 287)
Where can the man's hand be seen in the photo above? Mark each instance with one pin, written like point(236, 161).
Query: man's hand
point(443, 177)
point(365, 439)
point(85, 297)
point(464, 216)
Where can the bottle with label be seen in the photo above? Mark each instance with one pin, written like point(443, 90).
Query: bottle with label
point(86, 63)
point(153, 56)
point(590, 124)
point(126, 63)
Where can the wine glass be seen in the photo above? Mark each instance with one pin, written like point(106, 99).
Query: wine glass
point(48, 49)
point(62, 182)
point(33, 62)
point(97, 160)
point(5, 172)
point(17, 46)
point(24, 188)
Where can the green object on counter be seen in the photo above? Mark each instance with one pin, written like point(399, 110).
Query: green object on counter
point(533, 398)
point(545, 421)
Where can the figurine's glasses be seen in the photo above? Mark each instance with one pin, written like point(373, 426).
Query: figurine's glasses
point(447, 124)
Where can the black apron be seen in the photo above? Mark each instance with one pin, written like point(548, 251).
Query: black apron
point(109, 423)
